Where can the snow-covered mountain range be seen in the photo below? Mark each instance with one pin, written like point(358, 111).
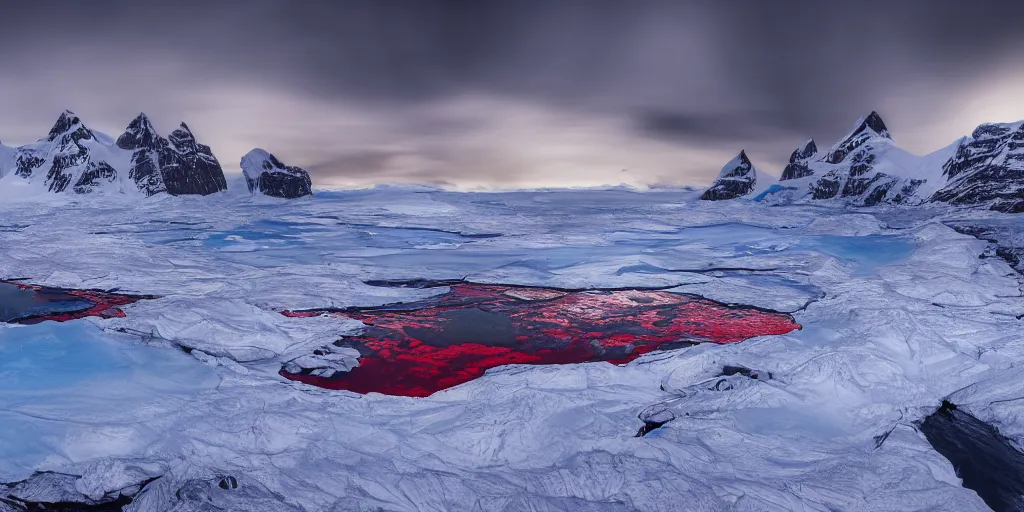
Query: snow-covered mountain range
point(73, 158)
point(863, 168)
point(866, 168)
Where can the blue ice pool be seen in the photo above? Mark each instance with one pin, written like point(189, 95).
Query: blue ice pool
point(868, 252)
point(774, 188)
point(250, 238)
point(62, 382)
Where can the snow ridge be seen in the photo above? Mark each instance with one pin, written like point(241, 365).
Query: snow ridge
point(864, 168)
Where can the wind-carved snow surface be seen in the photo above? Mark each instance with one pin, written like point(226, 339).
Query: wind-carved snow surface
point(180, 405)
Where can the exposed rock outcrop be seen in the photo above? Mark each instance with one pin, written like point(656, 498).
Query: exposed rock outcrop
point(987, 169)
point(189, 167)
point(146, 146)
point(799, 161)
point(267, 175)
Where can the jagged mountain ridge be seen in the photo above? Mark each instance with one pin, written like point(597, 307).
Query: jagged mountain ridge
point(73, 158)
point(866, 168)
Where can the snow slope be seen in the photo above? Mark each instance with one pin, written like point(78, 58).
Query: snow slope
point(863, 168)
point(738, 178)
point(898, 313)
point(7, 156)
point(71, 158)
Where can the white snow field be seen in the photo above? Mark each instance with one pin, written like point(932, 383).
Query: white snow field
point(898, 312)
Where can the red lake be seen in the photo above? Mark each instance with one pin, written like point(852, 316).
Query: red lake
point(417, 349)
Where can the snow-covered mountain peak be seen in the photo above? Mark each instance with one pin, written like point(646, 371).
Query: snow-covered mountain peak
point(737, 178)
point(735, 165)
point(257, 153)
point(874, 123)
point(68, 127)
point(139, 134)
point(259, 158)
point(805, 152)
point(865, 129)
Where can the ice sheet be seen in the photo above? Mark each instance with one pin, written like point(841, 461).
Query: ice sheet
point(896, 316)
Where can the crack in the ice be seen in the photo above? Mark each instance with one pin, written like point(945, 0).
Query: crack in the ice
point(462, 234)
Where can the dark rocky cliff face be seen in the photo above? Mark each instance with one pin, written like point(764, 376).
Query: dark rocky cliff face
point(987, 169)
point(189, 167)
point(267, 175)
point(178, 165)
point(144, 170)
point(738, 178)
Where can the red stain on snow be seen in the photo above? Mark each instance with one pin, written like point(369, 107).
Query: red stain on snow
point(419, 349)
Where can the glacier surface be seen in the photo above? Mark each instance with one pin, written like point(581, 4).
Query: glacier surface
point(180, 405)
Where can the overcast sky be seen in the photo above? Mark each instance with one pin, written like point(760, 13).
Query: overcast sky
point(514, 93)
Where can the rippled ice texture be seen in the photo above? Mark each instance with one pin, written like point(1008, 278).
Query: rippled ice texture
point(894, 320)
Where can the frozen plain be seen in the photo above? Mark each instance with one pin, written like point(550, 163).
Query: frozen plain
point(898, 312)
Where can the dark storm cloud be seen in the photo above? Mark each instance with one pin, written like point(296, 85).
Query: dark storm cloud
point(688, 126)
point(508, 92)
